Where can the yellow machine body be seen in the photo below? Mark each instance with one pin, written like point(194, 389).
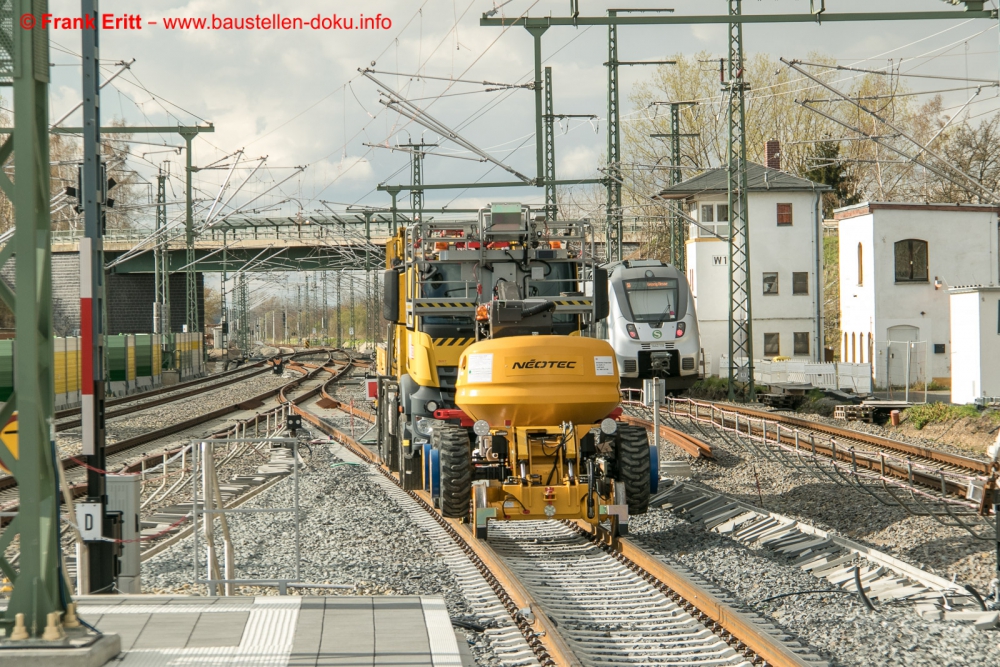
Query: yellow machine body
point(538, 380)
point(543, 394)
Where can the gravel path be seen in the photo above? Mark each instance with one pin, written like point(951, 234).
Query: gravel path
point(837, 625)
point(352, 533)
point(846, 511)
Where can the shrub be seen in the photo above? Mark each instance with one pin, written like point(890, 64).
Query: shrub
point(936, 413)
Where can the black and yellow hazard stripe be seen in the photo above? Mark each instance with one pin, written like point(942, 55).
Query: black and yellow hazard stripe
point(445, 304)
point(586, 302)
point(453, 342)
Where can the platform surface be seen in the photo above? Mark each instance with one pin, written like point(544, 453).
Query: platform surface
point(276, 631)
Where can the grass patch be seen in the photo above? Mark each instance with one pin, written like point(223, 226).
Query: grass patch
point(938, 413)
point(710, 388)
point(818, 403)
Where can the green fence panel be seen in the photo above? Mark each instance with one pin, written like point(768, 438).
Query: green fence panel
point(6, 369)
point(143, 355)
point(117, 351)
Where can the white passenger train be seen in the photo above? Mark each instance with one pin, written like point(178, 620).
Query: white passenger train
point(652, 324)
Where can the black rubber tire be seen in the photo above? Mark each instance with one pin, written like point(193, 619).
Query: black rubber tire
point(455, 457)
point(633, 467)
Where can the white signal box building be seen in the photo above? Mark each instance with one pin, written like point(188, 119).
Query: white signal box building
point(786, 256)
point(897, 264)
point(975, 343)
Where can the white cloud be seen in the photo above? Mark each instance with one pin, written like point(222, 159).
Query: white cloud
point(578, 162)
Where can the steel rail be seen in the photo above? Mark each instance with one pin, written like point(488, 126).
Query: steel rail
point(928, 453)
point(738, 630)
point(70, 462)
point(70, 412)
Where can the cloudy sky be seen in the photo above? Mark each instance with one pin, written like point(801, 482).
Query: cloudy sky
point(297, 97)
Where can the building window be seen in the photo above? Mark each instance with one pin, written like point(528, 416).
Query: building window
point(770, 283)
point(861, 266)
point(801, 339)
point(911, 261)
point(843, 355)
point(854, 348)
point(784, 214)
point(707, 213)
point(722, 212)
point(800, 282)
point(772, 345)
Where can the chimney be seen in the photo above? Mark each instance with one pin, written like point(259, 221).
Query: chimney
point(773, 152)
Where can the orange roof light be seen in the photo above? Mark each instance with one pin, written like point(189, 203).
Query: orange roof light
point(555, 245)
point(482, 312)
point(441, 245)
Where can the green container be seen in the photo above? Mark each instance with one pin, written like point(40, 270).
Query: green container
point(117, 351)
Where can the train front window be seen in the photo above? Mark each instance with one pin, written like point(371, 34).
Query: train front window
point(653, 299)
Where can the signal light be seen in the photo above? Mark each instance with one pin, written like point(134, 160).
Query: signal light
point(482, 313)
point(681, 328)
point(632, 333)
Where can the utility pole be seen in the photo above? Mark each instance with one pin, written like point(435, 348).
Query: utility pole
point(350, 283)
point(613, 205)
point(340, 332)
point(224, 324)
point(191, 276)
point(551, 208)
point(741, 380)
point(326, 306)
point(243, 313)
point(99, 558)
point(417, 152)
point(676, 222)
point(161, 305)
point(615, 234)
point(37, 586)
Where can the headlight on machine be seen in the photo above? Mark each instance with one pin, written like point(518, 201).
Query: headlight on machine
point(609, 426)
point(423, 426)
point(481, 427)
point(432, 406)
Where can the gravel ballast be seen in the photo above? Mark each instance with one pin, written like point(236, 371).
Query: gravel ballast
point(844, 510)
point(352, 533)
point(835, 624)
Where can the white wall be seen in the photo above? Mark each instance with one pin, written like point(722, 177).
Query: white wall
point(784, 249)
point(966, 369)
point(975, 352)
point(857, 301)
point(962, 250)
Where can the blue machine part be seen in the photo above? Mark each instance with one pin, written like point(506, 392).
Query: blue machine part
point(426, 459)
point(435, 476)
point(654, 469)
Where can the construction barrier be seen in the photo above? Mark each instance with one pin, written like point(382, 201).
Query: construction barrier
point(134, 363)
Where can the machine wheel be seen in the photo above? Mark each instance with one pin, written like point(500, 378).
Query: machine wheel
point(452, 443)
point(633, 467)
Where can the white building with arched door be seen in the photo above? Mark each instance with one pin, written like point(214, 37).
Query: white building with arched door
point(897, 262)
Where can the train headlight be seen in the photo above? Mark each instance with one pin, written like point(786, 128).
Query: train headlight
point(632, 333)
point(609, 426)
point(481, 427)
point(681, 328)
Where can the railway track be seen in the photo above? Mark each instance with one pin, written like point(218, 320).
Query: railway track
point(123, 450)
point(289, 393)
point(583, 598)
point(69, 419)
point(953, 489)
